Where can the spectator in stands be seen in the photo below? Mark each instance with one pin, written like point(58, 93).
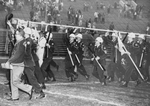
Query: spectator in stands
point(127, 27)
point(76, 18)
point(31, 15)
point(90, 23)
point(115, 5)
point(135, 15)
point(111, 26)
point(80, 18)
point(86, 23)
point(69, 13)
point(103, 18)
point(96, 16)
point(108, 9)
point(99, 17)
point(148, 28)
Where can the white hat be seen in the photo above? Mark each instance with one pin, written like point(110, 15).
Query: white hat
point(27, 30)
point(72, 35)
point(114, 34)
point(99, 39)
point(79, 35)
point(35, 33)
point(131, 35)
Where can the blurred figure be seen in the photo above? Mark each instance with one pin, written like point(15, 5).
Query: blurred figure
point(40, 48)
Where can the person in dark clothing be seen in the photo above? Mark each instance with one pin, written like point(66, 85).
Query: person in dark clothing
point(134, 50)
point(30, 64)
point(8, 17)
point(48, 58)
point(31, 15)
point(79, 56)
point(99, 57)
point(70, 60)
point(115, 66)
point(38, 73)
point(111, 26)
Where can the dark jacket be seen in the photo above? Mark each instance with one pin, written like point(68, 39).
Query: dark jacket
point(18, 53)
point(49, 50)
point(28, 59)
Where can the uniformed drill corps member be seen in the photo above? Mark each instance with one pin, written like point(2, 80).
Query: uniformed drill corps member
point(98, 59)
point(38, 72)
point(52, 48)
point(145, 62)
point(30, 65)
point(48, 58)
point(115, 66)
point(79, 56)
point(70, 60)
point(134, 51)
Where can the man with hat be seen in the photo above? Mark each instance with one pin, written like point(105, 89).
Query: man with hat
point(17, 62)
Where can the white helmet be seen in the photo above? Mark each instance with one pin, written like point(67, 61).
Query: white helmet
point(72, 35)
point(27, 30)
point(131, 36)
point(99, 39)
point(79, 35)
point(114, 34)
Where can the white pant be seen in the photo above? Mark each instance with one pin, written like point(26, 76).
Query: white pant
point(40, 54)
point(16, 83)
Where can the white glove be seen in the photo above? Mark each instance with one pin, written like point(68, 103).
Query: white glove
point(92, 59)
point(97, 58)
point(48, 45)
point(128, 53)
point(8, 22)
point(70, 52)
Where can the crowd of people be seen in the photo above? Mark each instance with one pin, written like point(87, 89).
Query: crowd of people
point(32, 51)
point(49, 11)
point(33, 54)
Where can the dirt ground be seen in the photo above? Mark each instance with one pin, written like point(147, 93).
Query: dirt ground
point(81, 92)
